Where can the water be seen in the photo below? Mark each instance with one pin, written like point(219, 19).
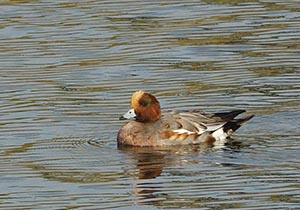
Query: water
point(68, 69)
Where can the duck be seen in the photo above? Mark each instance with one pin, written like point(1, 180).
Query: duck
point(149, 126)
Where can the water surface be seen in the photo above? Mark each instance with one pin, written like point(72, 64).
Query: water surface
point(68, 69)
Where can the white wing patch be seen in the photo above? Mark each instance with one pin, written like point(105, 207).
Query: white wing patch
point(182, 131)
point(217, 130)
point(218, 134)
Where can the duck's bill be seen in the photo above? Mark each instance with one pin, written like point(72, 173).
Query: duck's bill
point(128, 115)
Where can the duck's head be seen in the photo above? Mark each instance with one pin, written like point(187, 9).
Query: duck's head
point(144, 108)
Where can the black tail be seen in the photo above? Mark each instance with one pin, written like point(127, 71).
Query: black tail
point(227, 116)
point(234, 124)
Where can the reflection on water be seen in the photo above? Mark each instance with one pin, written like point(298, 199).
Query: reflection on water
point(68, 70)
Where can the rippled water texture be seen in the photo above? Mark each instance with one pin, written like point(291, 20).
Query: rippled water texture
point(68, 69)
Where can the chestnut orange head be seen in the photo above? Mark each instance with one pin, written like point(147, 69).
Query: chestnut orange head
point(145, 108)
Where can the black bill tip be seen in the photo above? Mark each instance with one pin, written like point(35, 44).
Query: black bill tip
point(122, 118)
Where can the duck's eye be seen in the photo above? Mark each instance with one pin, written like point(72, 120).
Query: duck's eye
point(144, 103)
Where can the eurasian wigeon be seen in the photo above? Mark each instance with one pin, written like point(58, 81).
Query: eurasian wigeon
point(153, 128)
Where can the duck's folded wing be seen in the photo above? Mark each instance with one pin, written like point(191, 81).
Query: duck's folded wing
point(197, 122)
point(196, 126)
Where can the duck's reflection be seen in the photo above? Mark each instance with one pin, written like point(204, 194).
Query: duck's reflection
point(150, 164)
point(150, 161)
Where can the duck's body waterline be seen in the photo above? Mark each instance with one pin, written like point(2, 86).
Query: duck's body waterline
point(153, 128)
